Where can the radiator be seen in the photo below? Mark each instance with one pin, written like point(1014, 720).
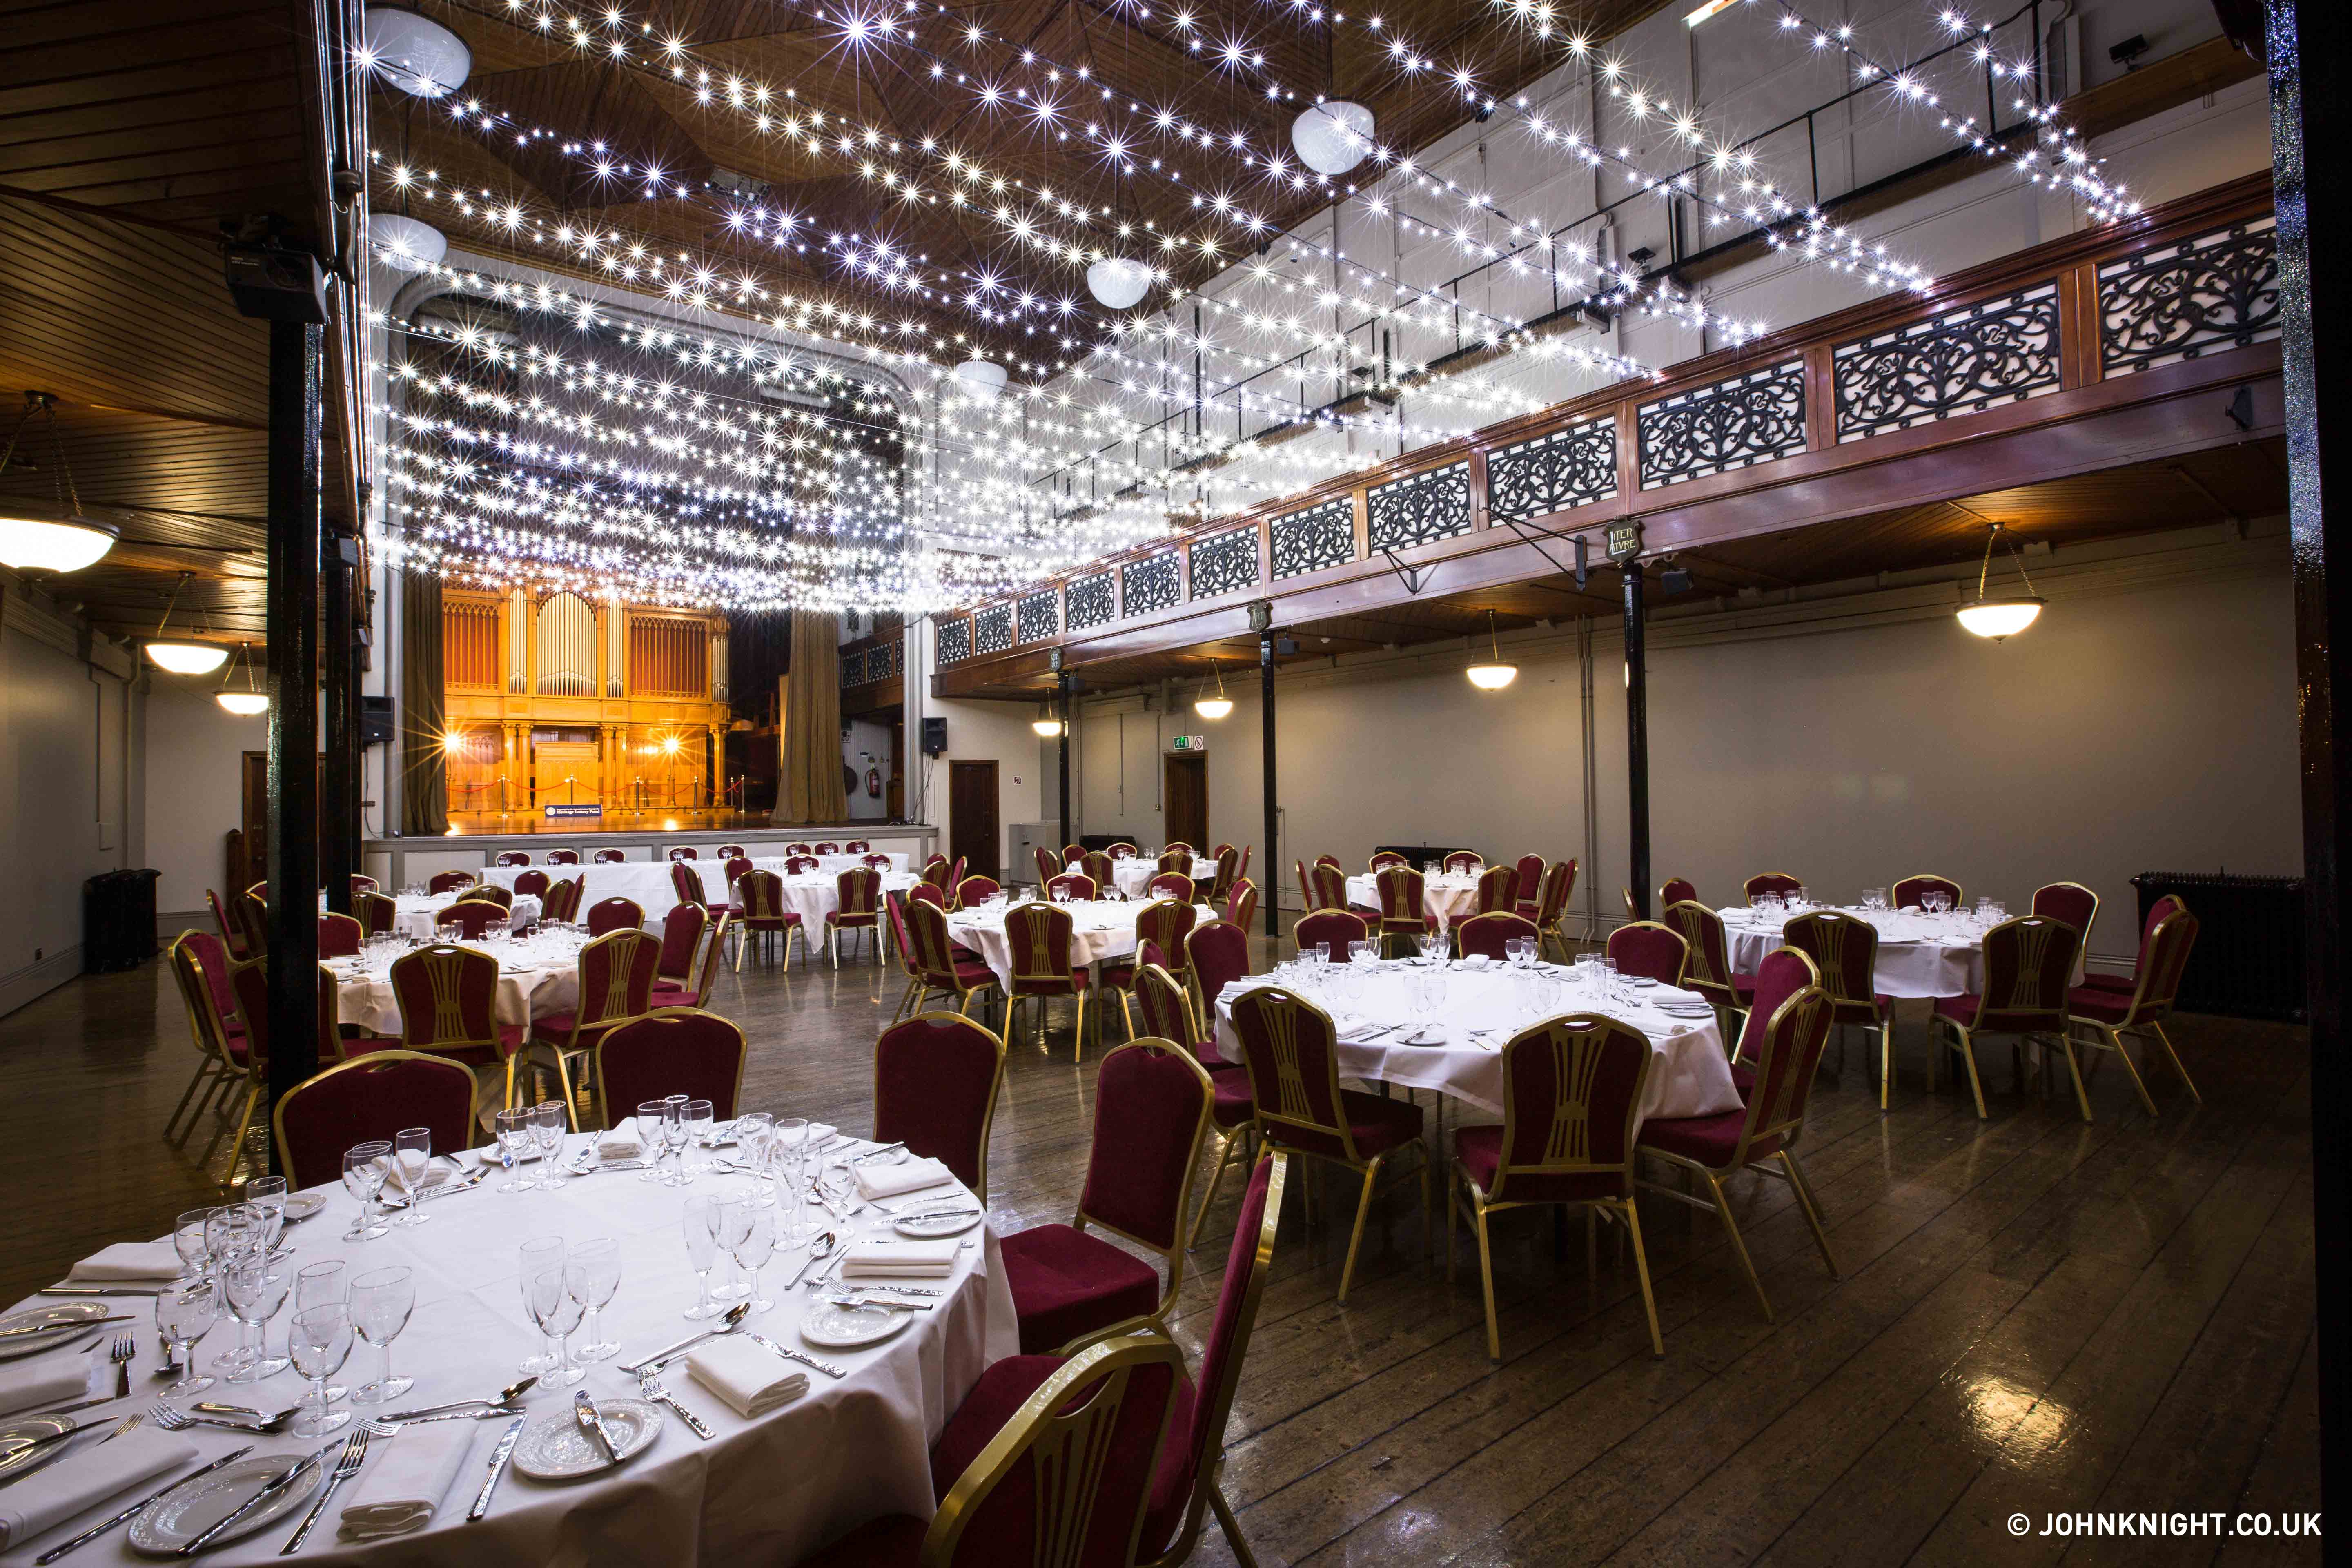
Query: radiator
point(2248, 961)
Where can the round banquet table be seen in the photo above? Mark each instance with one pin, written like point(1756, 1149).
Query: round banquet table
point(1446, 898)
point(767, 1489)
point(814, 896)
point(1485, 1004)
point(415, 919)
point(1099, 930)
point(537, 975)
point(1133, 875)
point(1919, 954)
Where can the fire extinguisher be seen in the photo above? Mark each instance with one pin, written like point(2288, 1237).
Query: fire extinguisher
point(874, 784)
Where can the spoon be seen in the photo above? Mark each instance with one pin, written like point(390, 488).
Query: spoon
point(506, 1395)
point(820, 1247)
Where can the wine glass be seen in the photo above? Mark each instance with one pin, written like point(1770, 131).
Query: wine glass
point(412, 1156)
point(1362, 952)
point(319, 1343)
point(316, 1285)
point(184, 1314)
point(539, 1254)
point(700, 1221)
point(650, 1113)
point(788, 1161)
point(555, 1308)
point(255, 1292)
point(755, 1131)
point(697, 1118)
point(380, 1302)
point(751, 1238)
point(595, 1265)
point(674, 1136)
point(547, 1132)
point(514, 1140)
point(268, 1194)
point(188, 1241)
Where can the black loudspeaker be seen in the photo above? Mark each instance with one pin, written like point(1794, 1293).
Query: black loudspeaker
point(935, 737)
point(375, 720)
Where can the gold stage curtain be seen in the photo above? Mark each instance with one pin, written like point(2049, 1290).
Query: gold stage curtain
point(808, 783)
point(425, 784)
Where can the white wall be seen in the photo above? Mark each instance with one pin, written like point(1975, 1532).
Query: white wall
point(977, 731)
point(193, 780)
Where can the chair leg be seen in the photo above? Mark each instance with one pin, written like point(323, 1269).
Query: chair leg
point(1078, 1035)
point(195, 1082)
point(2115, 1044)
point(2074, 1072)
point(563, 1079)
point(1739, 1247)
point(1356, 1236)
point(1231, 1527)
point(1487, 1283)
point(1452, 1205)
point(741, 942)
point(1804, 1191)
point(1641, 1269)
point(237, 1144)
point(1226, 1147)
point(2174, 1056)
point(1885, 1059)
point(1968, 1055)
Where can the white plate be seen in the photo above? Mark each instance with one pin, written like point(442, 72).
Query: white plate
point(830, 1326)
point(303, 1205)
point(198, 1504)
point(18, 1457)
point(917, 1225)
point(555, 1449)
point(63, 1312)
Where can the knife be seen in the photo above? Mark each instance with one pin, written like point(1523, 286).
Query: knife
point(764, 1342)
point(102, 1526)
point(499, 1458)
point(583, 1411)
point(102, 1289)
point(256, 1499)
point(52, 1328)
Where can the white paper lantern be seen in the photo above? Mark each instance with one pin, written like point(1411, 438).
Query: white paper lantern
point(1333, 138)
point(1118, 282)
point(981, 379)
point(406, 244)
point(415, 54)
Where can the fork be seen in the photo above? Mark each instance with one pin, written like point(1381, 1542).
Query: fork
point(649, 1386)
point(172, 1420)
point(125, 1425)
point(355, 1447)
point(119, 1353)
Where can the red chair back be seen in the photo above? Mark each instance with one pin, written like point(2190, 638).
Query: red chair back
point(492, 893)
point(681, 938)
point(1047, 866)
point(1464, 860)
point(936, 1081)
point(955, 872)
point(1531, 872)
point(1485, 936)
point(1330, 887)
point(976, 889)
point(828, 847)
point(201, 964)
point(339, 935)
point(562, 901)
point(934, 950)
point(1844, 951)
point(2164, 909)
point(1648, 948)
point(735, 852)
point(1560, 881)
point(1775, 882)
point(1218, 953)
point(1098, 865)
point(251, 983)
point(928, 893)
point(1170, 885)
point(800, 864)
point(878, 862)
point(1073, 853)
point(684, 852)
point(1788, 1055)
point(372, 1097)
point(1708, 967)
point(1910, 889)
point(232, 935)
point(377, 914)
point(800, 846)
point(859, 892)
point(1498, 889)
point(1167, 921)
point(1293, 1057)
point(1386, 858)
point(854, 847)
point(1240, 903)
point(532, 884)
point(252, 910)
point(1072, 885)
point(674, 1050)
point(1039, 936)
point(608, 858)
point(2029, 964)
point(472, 918)
point(762, 894)
point(937, 873)
point(1337, 927)
point(737, 865)
point(2069, 902)
point(364, 885)
point(1123, 850)
point(1676, 890)
point(563, 857)
point(1166, 1016)
point(1783, 973)
point(2163, 958)
point(686, 882)
point(447, 998)
point(1572, 1109)
point(1177, 846)
point(614, 914)
point(1151, 1110)
point(1403, 903)
point(512, 858)
point(449, 881)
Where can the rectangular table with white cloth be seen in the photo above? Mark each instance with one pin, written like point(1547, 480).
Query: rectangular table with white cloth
point(647, 883)
point(1919, 954)
point(766, 1488)
point(814, 896)
point(1099, 930)
point(1448, 898)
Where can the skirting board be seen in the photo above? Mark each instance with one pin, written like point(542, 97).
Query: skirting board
point(37, 980)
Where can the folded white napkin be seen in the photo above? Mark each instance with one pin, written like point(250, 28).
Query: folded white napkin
point(44, 1380)
point(395, 1183)
point(620, 1143)
point(75, 1486)
point(131, 1263)
point(750, 1380)
point(1476, 960)
point(401, 1490)
point(869, 1259)
point(887, 1181)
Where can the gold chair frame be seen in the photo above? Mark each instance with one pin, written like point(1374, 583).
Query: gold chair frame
point(2107, 1037)
point(1964, 1034)
point(374, 1060)
point(995, 1085)
point(596, 1052)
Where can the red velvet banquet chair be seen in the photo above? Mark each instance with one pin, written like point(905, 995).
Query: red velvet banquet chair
point(854, 846)
point(2028, 967)
point(1123, 850)
point(253, 915)
point(1465, 862)
point(894, 911)
point(695, 993)
point(974, 890)
point(1040, 937)
point(616, 982)
point(1306, 888)
point(1047, 869)
point(1782, 974)
point(1163, 924)
point(1383, 860)
point(448, 882)
point(1484, 936)
point(1571, 1105)
point(1098, 866)
point(1232, 865)
point(373, 1096)
point(1167, 1016)
point(765, 913)
point(1073, 853)
point(532, 884)
point(1152, 1113)
point(2098, 1017)
point(1676, 890)
point(937, 873)
point(1071, 885)
point(681, 944)
point(736, 866)
point(563, 857)
point(1293, 1066)
point(1176, 858)
point(512, 858)
point(1651, 951)
point(800, 846)
point(251, 983)
point(1530, 888)
point(609, 858)
point(801, 865)
point(2159, 912)
point(364, 885)
point(684, 852)
point(1170, 885)
point(1404, 907)
point(859, 892)
point(2077, 905)
point(1778, 883)
point(232, 933)
point(377, 915)
point(492, 893)
point(472, 919)
point(1551, 909)
point(339, 935)
point(936, 1078)
point(1177, 846)
point(1240, 903)
point(1844, 951)
point(939, 964)
point(687, 883)
point(1331, 892)
point(827, 847)
point(670, 1050)
point(1769, 1124)
point(1708, 969)
point(928, 893)
point(200, 966)
point(562, 901)
point(1337, 928)
point(447, 998)
point(1498, 891)
point(1216, 954)
point(1908, 892)
point(1063, 1477)
point(729, 852)
point(878, 862)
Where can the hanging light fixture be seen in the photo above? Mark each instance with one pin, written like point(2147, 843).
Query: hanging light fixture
point(1332, 138)
point(1998, 619)
point(1118, 282)
point(244, 704)
point(1046, 724)
point(1496, 675)
point(1216, 707)
point(408, 244)
point(415, 54)
point(49, 536)
point(183, 657)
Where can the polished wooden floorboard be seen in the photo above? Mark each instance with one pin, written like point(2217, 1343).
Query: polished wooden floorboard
point(2035, 1315)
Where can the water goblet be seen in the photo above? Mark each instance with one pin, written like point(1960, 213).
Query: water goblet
point(547, 1133)
point(317, 1285)
point(188, 1241)
point(319, 1343)
point(380, 1302)
point(755, 1131)
point(593, 1268)
point(650, 1113)
point(674, 1133)
point(515, 1140)
point(751, 1238)
point(557, 1312)
point(537, 1256)
point(789, 1158)
point(730, 1225)
point(697, 1118)
point(412, 1156)
point(184, 1314)
point(1612, 983)
point(268, 1194)
point(700, 1221)
point(255, 1293)
point(1363, 951)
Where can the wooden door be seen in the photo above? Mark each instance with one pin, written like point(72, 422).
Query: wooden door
point(1184, 806)
point(253, 814)
point(971, 818)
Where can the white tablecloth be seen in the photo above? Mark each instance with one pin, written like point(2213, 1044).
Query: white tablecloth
point(537, 975)
point(648, 882)
point(814, 897)
point(1919, 954)
point(764, 1490)
point(1099, 931)
point(415, 919)
point(1483, 1008)
point(1133, 875)
point(1450, 899)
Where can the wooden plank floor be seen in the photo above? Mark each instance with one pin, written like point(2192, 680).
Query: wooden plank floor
point(2035, 1315)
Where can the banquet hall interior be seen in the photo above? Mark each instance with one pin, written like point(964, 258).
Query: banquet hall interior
point(1525, 782)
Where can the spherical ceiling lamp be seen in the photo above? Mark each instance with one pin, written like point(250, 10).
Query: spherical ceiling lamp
point(1495, 675)
point(244, 704)
point(51, 535)
point(415, 54)
point(1333, 138)
point(2000, 617)
point(981, 379)
point(1118, 282)
point(1217, 707)
point(405, 243)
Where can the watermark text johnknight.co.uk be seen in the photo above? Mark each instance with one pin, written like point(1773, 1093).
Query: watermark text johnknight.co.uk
point(2214, 1525)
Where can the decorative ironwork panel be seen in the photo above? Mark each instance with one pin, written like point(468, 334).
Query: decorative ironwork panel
point(2002, 351)
point(1149, 585)
point(1041, 615)
point(1419, 509)
point(955, 641)
point(884, 661)
point(1567, 468)
point(2219, 290)
point(1091, 603)
point(991, 629)
point(1310, 541)
point(1751, 418)
point(1225, 562)
point(853, 667)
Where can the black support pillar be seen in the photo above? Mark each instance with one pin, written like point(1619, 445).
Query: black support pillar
point(1062, 709)
point(296, 413)
point(1637, 742)
point(339, 785)
point(2308, 128)
point(1273, 882)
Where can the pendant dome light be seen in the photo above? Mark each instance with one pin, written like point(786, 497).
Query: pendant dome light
point(244, 704)
point(1046, 724)
point(183, 657)
point(1495, 676)
point(1118, 282)
point(1217, 707)
point(38, 535)
point(406, 244)
point(419, 55)
point(2004, 618)
point(982, 380)
point(1333, 138)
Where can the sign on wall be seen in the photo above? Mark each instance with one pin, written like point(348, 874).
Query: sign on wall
point(1189, 744)
point(583, 809)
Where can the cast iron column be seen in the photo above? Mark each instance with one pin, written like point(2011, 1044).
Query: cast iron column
point(1062, 706)
point(1637, 741)
point(339, 786)
point(295, 415)
point(1273, 882)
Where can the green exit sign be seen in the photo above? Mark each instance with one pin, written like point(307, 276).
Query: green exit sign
point(1189, 744)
